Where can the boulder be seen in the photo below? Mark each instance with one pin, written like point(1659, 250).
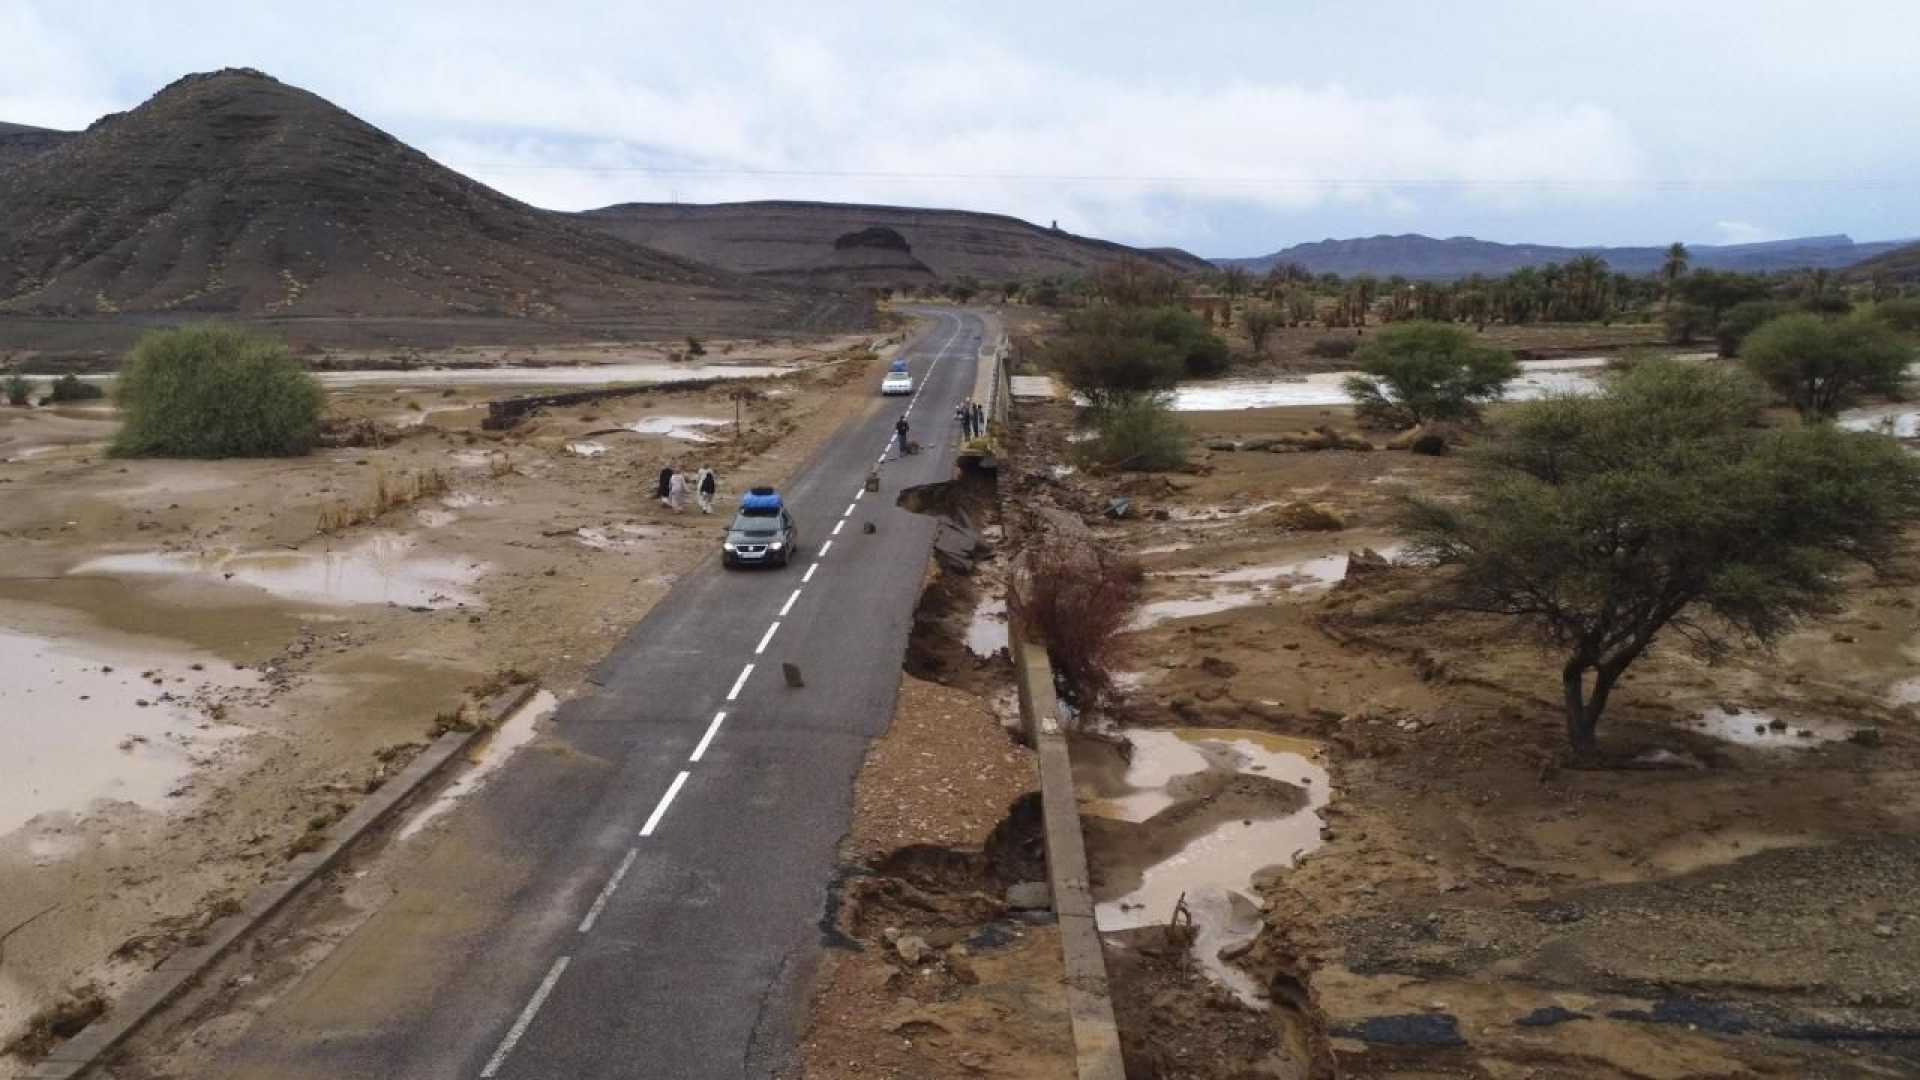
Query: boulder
point(912, 948)
point(1030, 896)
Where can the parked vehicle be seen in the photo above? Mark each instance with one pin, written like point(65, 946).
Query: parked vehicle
point(763, 532)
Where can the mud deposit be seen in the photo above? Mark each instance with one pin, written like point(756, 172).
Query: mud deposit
point(1726, 892)
point(266, 674)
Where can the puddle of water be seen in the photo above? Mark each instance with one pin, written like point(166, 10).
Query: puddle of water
point(621, 536)
point(1300, 576)
point(512, 734)
point(987, 630)
point(382, 569)
point(1905, 692)
point(1537, 379)
point(1750, 727)
point(81, 723)
point(586, 449)
point(1220, 513)
point(686, 428)
point(1166, 549)
point(460, 500)
point(1899, 421)
point(1215, 871)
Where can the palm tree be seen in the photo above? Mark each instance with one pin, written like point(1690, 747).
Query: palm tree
point(1675, 267)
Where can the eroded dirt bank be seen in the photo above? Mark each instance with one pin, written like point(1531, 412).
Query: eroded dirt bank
point(202, 663)
point(1733, 898)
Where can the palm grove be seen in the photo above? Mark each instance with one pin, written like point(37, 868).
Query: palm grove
point(1671, 506)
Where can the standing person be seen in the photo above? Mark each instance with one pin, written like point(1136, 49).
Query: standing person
point(708, 487)
point(979, 419)
point(666, 485)
point(900, 435)
point(677, 492)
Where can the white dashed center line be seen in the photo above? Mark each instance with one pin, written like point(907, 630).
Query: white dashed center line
point(849, 512)
point(838, 525)
point(808, 576)
point(707, 739)
point(606, 894)
point(739, 682)
point(826, 547)
point(653, 820)
point(788, 606)
point(526, 1019)
point(768, 636)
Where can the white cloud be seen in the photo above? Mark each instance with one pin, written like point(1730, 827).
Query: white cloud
point(1742, 232)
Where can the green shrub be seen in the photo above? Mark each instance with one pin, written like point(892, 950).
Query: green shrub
point(1333, 348)
point(1743, 319)
point(1686, 322)
point(19, 390)
point(213, 391)
point(1140, 434)
point(1901, 314)
point(1414, 372)
point(70, 388)
point(1820, 365)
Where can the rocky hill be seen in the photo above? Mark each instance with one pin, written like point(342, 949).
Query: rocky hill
point(19, 142)
point(234, 193)
point(1902, 264)
point(824, 242)
point(1415, 256)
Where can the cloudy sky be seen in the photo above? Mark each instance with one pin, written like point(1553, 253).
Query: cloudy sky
point(1226, 128)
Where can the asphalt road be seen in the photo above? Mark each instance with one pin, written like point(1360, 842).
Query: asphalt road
point(642, 891)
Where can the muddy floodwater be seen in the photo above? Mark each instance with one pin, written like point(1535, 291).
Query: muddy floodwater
point(1229, 589)
point(1752, 727)
point(684, 428)
point(515, 732)
point(86, 721)
point(382, 569)
point(1538, 378)
point(1212, 872)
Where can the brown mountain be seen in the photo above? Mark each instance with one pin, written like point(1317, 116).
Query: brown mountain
point(19, 142)
point(1900, 265)
point(849, 244)
point(233, 193)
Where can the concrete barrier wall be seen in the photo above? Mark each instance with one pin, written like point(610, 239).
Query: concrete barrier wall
point(1096, 1035)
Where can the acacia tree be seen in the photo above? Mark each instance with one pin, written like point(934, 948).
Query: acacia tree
point(1234, 281)
point(1412, 372)
point(1820, 365)
point(1661, 506)
point(1260, 323)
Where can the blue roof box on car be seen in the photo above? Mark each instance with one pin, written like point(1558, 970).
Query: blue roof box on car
point(760, 500)
point(898, 365)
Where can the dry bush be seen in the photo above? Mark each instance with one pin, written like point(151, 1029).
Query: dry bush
point(389, 493)
point(1077, 600)
point(57, 1023)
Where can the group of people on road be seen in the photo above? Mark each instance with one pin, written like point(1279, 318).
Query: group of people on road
point(674, 488)
point(973, 418)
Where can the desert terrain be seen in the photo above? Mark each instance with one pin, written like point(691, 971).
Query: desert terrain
point(208, 662)
point(1390, 867)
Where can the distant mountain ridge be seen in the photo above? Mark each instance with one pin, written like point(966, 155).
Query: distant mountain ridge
point(19, 142)
point(1902, 264)
point(1412, 255)
point(809, 241)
